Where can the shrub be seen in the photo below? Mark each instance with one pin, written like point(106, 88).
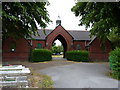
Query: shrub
point(114, 61)
point(77, 55)
point(40, 55)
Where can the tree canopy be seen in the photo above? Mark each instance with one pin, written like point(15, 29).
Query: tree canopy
point(19, 18)
point(102, 17)
point(57, 49)
point(115, 38)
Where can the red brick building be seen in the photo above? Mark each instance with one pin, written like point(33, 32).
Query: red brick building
point(70, 39)
point(95, 51)
point(16, 49)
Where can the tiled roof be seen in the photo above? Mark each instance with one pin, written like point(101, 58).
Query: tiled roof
point(42, 34)
point(80, 35)
point(77, 35)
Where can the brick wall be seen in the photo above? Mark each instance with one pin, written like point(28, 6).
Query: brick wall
point(22, 51)
point(81, 43)
point(35, 42)
point(96, 53)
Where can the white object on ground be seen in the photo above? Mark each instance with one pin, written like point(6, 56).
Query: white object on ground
point(8, 76)
point(14, 69)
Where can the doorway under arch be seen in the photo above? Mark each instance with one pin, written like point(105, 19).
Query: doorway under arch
point(63, 42)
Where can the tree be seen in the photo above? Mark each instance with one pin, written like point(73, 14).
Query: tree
point(114, 37)
point(57, 49)
point(19, 18)
point(102, 17)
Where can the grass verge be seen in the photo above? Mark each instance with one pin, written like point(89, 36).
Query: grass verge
point(111, 75)
point(38, 80)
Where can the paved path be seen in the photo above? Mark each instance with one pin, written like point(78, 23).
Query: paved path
point(81, 75)
point(59, 58)
point(57, 61)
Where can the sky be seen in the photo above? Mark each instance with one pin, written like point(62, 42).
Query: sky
point(63, 9)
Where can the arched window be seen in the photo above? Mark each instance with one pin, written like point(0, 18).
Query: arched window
point(39, 45)
point(78, 47)
point(13, 47)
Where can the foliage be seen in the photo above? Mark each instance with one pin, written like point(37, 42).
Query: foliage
point(57, 49)
point(40, 55)
point(101, 17)
point(114, 60)
point(114, 37)
point(19, 18)
point(77, 55)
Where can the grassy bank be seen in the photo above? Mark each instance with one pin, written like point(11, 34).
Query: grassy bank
point(38, 80)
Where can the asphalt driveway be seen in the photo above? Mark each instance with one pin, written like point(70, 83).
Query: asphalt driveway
point(81, 75)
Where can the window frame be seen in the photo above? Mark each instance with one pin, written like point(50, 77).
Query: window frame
point(39, 45)
point(78, 47)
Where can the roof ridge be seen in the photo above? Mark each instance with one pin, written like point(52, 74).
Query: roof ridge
point(68, 30)
point(78, 30)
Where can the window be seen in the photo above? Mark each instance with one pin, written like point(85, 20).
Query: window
point(77, 47)
point(39, 45)
point(13, 47)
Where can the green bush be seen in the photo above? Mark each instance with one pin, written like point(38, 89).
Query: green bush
point(114, 61)
point(40, 55)
point(77, 55)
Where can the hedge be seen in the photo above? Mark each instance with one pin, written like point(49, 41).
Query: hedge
point(114, 61)
point(40, 55)
point(77, 55)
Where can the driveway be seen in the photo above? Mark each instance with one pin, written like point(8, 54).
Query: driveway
point(81, 75)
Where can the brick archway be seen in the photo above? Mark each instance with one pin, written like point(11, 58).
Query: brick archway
point(61, 34)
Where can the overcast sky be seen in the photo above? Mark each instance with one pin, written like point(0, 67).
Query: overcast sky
point(63, 9)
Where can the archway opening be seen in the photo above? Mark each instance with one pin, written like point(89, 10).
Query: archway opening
point(59, 46)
